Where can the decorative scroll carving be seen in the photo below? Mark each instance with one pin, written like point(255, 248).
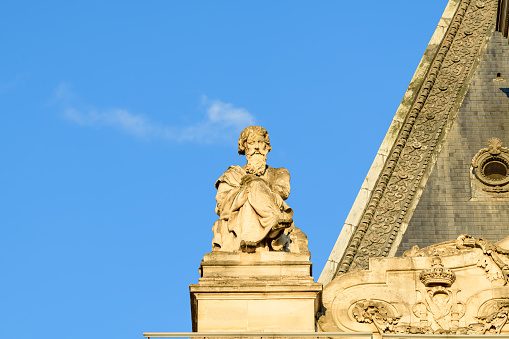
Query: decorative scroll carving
point(494, 321)
point(438, 307)
point(420, 310)
point(438, 311)
point(377, 313)
point(405, 167)
point(495, 146)
point(495, 260)
point(424, 293)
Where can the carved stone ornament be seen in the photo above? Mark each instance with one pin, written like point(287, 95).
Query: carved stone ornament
point(495, 259)
point(437, 275)
point(253, 214)
point(404, 169)
point(464, 291)
point(378, 313)
point(439, 306)
point(490, 167)
point(494, 318)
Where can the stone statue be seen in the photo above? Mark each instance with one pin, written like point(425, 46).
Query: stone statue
point(253, 214)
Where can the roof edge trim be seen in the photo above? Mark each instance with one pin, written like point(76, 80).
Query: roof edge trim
point(430, 83)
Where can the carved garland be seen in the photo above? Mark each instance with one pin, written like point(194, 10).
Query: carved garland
point(406, 165)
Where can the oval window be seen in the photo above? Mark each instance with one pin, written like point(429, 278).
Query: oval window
point(495, 170)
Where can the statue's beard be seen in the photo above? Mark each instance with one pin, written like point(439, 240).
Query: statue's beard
point(256, 163)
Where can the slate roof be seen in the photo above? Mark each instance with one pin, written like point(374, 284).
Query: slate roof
point(417, 189)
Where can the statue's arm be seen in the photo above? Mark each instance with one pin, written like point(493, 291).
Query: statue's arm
point(223, 189)
point(282, 184)
point(225, 185)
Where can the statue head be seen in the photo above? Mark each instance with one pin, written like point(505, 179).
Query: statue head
point(252, 131)
point(254, 143)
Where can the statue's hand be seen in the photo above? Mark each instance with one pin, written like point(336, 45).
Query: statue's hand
point(246, 179)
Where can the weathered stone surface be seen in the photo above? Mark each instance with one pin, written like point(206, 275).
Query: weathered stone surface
point(253, 214)
point(460, 289)
point(263, 266)
point(260, 292)
point(258, 276)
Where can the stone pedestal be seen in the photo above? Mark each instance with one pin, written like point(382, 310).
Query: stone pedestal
point(255, 292)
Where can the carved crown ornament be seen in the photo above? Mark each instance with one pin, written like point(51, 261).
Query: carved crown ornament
point(405, 167)
point(437, 275)
point(455, 287)
point(495, 259)
point(438, 309)
point(490, 167)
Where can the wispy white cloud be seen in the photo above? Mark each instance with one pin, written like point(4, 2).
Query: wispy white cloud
point(222, 120)
point(227, 114)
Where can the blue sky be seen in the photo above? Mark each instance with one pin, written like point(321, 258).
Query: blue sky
point(117, 117)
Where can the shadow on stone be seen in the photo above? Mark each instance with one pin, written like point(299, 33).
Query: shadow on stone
point(506, 91)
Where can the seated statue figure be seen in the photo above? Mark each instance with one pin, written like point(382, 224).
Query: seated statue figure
point(253, 214)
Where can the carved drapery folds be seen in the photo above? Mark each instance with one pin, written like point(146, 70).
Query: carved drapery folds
point(424, 125)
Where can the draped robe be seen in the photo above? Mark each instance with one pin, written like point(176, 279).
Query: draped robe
point(249, 207)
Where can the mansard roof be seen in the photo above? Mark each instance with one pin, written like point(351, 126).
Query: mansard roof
point(399, 175)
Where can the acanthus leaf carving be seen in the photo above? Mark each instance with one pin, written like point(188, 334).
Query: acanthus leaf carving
point(495, 319)
point(377, 313)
